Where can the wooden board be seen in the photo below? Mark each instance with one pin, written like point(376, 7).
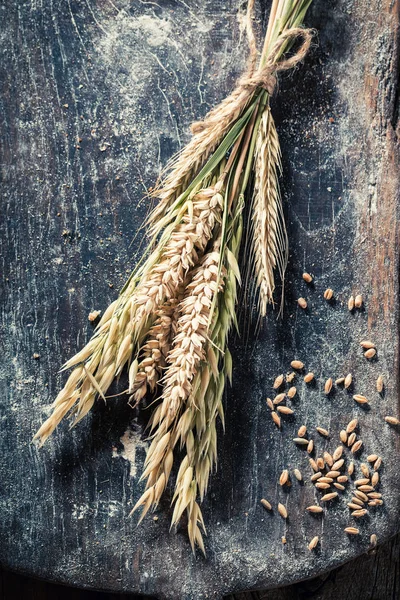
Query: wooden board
point(373, 576)
point(97, 96)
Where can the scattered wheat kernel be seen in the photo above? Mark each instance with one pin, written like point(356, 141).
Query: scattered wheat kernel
point(307, 277)
point(278, 382)
point(270, 404)
point(366, 488)
point(358, 301)
point(92, 316)
point(284, 478)
point(284, 540)
point(392, 420)
point(297, 474)
point(316, 476)
point(376, 502)
point(360, 399)
point(351, 426)
point(351, 439)
point(279, 398)
point(312, 545)
point(343, 436)
point(370, 353)
point(373, 540)
point(330, 496)
point(282, 511)
point(366, 344)
point(372, 458)
point(302, 431)
point(292, 392)
point(375, 479)
point(342, 478)
point(322, 431)
point(285, 410)
point(301, 441)
point(350, 303)
point(266, 504)
point(302, 302)
point(353, 506)
point(361, 495)
point(356, 446)
point(339, 486)
point(374, 495)
point(309, 377)
point(338, 464)
point(320, 463)
point(325, 479)
point(328, 294)
point(328, 459)
point(322, 486)
point(348, 380)
point(328, 386)
point(350, 468)
point(358, 501)
point(310, 446)
point(333, 474)
point(297, 364)
point(315, 509)
point(313, 465)
point(338, 453)
point(362, 481)
point(359, 513)
point(276, 418)
point(379, 384)
point(352, 530)
point(378, 463)
point(290, 377)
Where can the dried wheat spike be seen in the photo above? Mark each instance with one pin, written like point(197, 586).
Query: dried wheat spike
point(269, 236)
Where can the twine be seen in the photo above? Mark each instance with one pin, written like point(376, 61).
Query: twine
point(265, 76)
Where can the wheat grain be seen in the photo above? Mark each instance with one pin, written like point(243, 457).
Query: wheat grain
point(348, 381)
point(328, 386)
point(314, 542)
point(285, 410)
point(302, 302)
point(282, 511)
point(352, 530)
point(266, 504)
point(350, 303)
point(322, 431)
point(392, 420)
point(358, 301)
point(278, 382)
point(315, 509)
point(367, 344)
point(297, 364)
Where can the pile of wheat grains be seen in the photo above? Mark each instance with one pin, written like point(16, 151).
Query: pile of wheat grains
point(349, 472)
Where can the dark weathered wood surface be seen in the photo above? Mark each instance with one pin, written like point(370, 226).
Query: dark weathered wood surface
point(96, 96)
point(374, 576)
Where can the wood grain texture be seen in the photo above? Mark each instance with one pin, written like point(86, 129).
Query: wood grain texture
point(96, 97)
point(373, 576)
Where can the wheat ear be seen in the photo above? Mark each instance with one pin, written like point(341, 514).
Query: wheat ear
point(269, 238)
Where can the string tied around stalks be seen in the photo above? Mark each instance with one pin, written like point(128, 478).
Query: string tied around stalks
point(264, 77)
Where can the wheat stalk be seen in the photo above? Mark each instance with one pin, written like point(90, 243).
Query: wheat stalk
point(171, 322)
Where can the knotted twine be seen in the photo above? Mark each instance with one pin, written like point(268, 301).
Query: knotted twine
point(264, 77)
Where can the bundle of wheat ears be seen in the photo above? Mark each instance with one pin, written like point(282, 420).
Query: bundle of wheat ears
point(170, 324)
